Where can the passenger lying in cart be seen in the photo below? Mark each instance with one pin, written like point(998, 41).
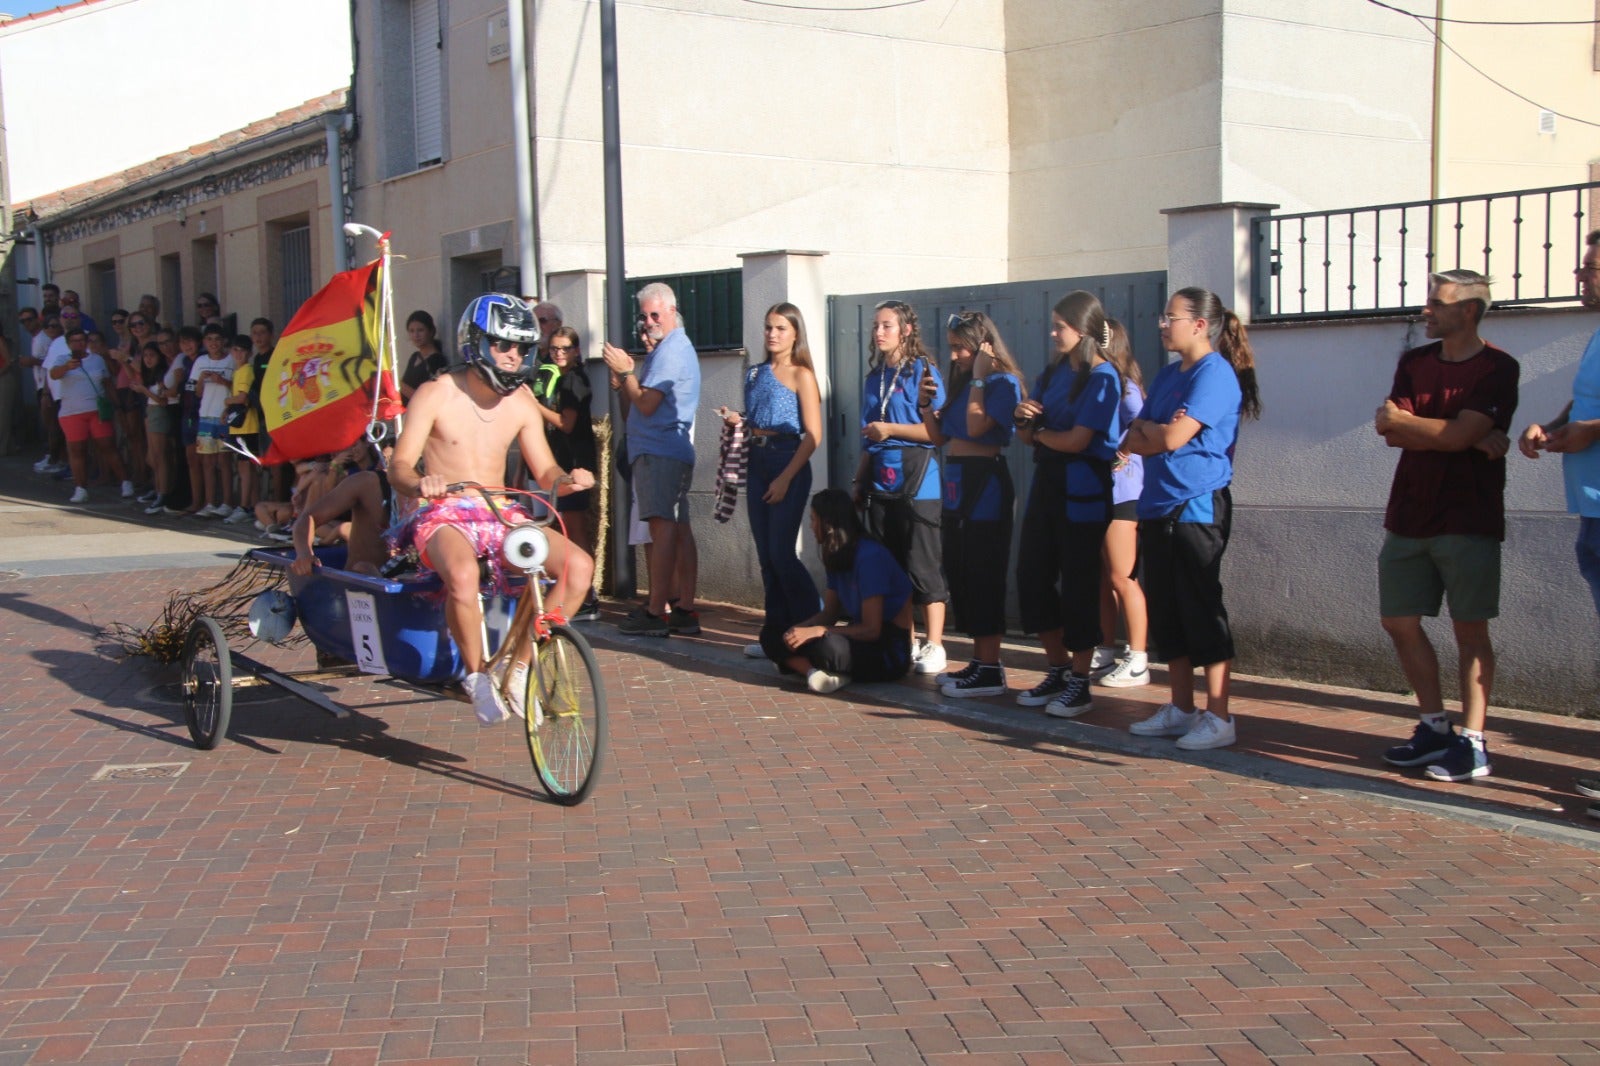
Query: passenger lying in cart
point(459, 427)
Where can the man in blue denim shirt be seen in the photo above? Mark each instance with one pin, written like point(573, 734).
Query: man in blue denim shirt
point(662, 403)
point(1573, 434)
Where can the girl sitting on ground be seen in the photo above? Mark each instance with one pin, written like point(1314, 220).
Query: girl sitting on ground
point(867, 591)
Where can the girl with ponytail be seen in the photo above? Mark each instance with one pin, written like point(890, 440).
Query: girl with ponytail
point(975, 527)
point(1074, 423)
point(1186, 434)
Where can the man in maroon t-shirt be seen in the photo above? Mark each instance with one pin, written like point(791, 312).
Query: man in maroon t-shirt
point(1450, 410)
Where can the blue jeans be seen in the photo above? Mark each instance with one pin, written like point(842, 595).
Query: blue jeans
point(790, 594)
point(1589, 556)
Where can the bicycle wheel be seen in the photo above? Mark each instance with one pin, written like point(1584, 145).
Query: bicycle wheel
point(566, 723)
point(207, 683)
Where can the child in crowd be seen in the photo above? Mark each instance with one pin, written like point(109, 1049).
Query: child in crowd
point(243, 426)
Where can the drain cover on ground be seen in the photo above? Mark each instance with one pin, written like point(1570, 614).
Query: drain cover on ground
point(147, 771)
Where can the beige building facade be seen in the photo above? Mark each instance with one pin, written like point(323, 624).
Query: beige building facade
point(246, 217)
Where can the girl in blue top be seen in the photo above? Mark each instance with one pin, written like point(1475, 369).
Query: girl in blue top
point(1074, 426)
point(1120, 591)
point(1187, 433)
point(975, 526)
point(867, 591)
point(898, 477)
point(783, 423)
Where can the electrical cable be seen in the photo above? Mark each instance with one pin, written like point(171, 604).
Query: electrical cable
point(1483, 22)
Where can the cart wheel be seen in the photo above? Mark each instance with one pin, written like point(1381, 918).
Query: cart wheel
point(566, 721)
point(207, 683)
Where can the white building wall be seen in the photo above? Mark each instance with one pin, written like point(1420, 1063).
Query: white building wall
point(1324, 107)
point(103, 87)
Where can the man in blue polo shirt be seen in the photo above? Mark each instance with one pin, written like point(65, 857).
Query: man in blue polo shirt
point(662, 402)
point(1573, 434)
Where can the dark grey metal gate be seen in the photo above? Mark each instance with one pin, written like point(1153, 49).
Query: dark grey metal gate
point(1021, 309)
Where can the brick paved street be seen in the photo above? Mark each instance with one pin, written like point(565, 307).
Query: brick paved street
point(763, 875)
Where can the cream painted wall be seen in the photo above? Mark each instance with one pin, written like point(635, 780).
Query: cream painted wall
point(65, 67)
point(878, 136)
point(1552, 65)
point(1113, 116)
point(1324, 108)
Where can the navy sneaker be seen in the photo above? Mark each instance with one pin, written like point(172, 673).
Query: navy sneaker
point(641, 623)
point(1426, 745)
point(1463, 760)
point(1053, 685)
point(683, 621)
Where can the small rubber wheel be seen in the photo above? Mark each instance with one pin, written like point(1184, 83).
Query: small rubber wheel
point(566, 722)
point(207, 683)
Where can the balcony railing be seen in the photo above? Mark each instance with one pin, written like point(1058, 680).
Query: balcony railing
point(1362, 261)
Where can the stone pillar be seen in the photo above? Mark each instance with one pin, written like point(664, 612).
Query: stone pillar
point(794, 277)
point(1209, 245)
point(788, 276)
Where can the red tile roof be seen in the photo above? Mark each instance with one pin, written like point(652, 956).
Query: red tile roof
point(46, 14)
point(54, 203)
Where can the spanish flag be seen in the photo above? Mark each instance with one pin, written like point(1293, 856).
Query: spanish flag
point(318, 392)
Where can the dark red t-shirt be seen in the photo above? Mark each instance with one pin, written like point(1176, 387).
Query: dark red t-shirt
point(1435, 493)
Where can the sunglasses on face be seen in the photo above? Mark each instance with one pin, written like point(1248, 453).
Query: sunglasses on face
point(562, 347)
point(506, 346)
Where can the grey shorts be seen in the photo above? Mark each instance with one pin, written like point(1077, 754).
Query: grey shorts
point(1416, 574)
point(661, 486)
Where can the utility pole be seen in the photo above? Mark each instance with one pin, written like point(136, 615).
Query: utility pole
point(618, 323)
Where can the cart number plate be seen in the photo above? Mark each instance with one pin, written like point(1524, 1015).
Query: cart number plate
point(364, 635)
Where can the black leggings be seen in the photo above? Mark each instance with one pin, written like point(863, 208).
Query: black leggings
point(886, 659)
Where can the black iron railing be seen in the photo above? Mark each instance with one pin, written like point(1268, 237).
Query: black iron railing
point(1376, 260)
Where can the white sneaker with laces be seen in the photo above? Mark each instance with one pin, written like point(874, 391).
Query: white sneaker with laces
point(128, 490)
point(79, 495)
point(1209, 732)
point(485, 699)
point(1128, 673)
point(929, 659)
point(1169, 721)
point(235, 516)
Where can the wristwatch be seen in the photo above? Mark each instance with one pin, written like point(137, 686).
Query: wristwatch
point(977, 383)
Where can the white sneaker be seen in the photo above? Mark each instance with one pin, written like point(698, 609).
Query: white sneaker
point(128, 490)
point(1169, 721)
point(485, 699)
point(1128, 673)
point(822, 682)
point(1104, 659)
point(754, 651)
point(235, 516)
point(517, 692)
point(79, 495)
point(929, 659)
point(42, 466)
point(216, 510)
point(1209, 732)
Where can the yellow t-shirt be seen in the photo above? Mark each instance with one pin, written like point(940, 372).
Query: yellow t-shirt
point(243, 377)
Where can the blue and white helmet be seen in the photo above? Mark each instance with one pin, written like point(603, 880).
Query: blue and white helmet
point(495, 317)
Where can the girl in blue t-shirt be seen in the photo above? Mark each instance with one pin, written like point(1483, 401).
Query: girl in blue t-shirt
point(897, 480)
point(867, 591)
point(1074, 425)
point(1187, 433)
point(975, 525)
